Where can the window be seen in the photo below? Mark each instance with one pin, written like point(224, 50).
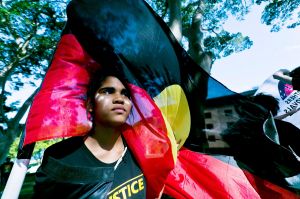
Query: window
point(207, 115)
point(228, 112)
point(209, 126)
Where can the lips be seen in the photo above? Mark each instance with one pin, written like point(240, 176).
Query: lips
point(119, 109)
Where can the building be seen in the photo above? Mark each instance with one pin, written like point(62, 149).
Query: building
point(219, 114)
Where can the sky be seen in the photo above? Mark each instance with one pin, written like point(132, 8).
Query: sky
point(270, 52)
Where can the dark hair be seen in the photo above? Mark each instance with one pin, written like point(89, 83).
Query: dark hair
point(98, 76)
point(295, 72)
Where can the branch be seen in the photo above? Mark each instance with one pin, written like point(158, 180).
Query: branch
point(175, 18)
point(5, 77)
point(191, 5)
point(213, 31)
point(26, 42)
point(19, 58)
point(4, 74)
point(7, 70)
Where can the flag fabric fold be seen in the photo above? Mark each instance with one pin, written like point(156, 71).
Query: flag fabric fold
point(203, 176)
point(168, 91)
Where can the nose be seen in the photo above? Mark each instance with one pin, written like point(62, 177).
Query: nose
point(118, 99)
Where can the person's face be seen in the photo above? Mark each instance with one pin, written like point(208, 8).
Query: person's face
point(112, 103)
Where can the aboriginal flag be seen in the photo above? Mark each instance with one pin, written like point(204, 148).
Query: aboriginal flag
point(168, 92)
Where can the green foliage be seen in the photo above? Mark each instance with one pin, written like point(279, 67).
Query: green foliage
point(217, 40)
point(38, 149)
point(14, 148)
point(278, 14)
point(29, 28)
point(226, 43)
point(214, 14)
point(29, 31)
point(160, 6)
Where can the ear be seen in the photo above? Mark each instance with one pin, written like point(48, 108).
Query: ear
point(89, 105)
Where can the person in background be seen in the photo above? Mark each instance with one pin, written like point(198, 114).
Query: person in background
point(98, 165)
point(288, 77)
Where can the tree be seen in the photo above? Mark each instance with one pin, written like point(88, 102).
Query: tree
point(200, 24)
point(278, 14)
point(28, 33)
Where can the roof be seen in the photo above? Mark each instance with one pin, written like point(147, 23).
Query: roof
point(227, 98)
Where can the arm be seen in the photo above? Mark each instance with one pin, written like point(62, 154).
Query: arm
point(283, 75)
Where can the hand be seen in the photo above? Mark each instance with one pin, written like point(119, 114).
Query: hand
point(283, 75)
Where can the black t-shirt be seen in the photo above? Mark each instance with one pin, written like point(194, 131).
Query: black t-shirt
point(127, 181)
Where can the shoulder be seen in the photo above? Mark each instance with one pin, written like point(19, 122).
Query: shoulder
point(64, 147)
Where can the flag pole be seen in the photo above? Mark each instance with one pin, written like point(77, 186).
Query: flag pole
point(17, 175)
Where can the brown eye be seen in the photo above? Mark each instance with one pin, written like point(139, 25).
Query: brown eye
point(106, 91)
point(125, 93)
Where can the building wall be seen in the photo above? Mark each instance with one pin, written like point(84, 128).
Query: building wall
point(218, 119)
point(219, 115)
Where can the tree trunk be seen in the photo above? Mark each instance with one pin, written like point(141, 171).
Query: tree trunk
point(175, 22)
point(196, 51)
point(197, 139)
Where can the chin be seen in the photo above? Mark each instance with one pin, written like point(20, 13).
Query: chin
point(116, 123)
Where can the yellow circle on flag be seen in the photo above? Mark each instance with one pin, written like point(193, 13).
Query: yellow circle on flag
point(175, 110)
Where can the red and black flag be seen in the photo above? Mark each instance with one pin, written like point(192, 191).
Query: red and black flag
point(168, 88)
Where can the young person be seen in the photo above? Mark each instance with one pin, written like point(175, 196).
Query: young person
point(98, 165)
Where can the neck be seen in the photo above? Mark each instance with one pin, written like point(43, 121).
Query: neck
point(105, 143)
point(107, 137)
